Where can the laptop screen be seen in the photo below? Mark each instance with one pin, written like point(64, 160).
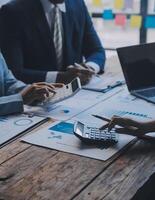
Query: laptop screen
point(138, 65)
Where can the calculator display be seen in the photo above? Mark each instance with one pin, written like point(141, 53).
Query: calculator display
point(75, 85)
point(80, 128)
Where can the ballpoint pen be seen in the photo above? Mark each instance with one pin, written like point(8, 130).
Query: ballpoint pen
point(107, 88)
point(143, 137)
point(78, 65)
point(102, 118)
point(82, 67)
point(110, 87)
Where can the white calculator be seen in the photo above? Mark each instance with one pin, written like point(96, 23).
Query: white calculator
point(94, 135)
point(65, 92)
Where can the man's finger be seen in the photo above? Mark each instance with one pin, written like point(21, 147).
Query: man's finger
point(58, 85)
point(111, 125)
point(70, 67)
point(88, 67)
point(124, 122)
point(42, 84)
point(82, 71)
point(87, 72)
point(116, 120)
point(79, 66)
point(44, 90)
point(84, 68)
point(39, 98)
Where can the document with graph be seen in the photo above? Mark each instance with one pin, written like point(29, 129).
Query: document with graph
point(12, 126)
point(60, 136)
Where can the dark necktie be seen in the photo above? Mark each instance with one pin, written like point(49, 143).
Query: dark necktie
point(57, 37)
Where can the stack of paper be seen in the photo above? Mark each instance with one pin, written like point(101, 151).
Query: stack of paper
point(14, 125)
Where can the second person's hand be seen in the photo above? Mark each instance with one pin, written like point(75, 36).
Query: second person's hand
point(130, 126)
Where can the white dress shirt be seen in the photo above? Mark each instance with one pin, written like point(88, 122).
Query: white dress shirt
point(48, 6)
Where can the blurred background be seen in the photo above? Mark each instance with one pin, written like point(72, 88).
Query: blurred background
point(121, 22)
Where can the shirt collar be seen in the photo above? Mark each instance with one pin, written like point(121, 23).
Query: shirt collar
point(48, 6)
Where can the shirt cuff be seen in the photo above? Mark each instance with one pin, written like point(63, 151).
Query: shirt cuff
point(51, 77)
point(94, 66)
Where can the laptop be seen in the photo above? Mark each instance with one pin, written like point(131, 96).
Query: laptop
point(138, 65)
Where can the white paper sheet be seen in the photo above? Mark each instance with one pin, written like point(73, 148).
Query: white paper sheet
point(13, 125)
point(120, 103)
point(67, 142)
point(73, 106)
point(124, 104)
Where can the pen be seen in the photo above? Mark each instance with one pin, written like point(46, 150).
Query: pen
point(102, 118)
point(107, 88)
point(118, 83)
point(78, 65)
point(110, 87)
point(143, 137)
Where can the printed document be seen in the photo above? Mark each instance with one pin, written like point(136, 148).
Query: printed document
point(60, 136)
point(73, 106)
point(11, 126)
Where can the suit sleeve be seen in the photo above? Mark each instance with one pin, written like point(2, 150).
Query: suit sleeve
point(12, 102)
point(92, 47)
point(12, 49)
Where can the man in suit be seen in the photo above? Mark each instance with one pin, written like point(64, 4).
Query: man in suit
point(14, 94)
point(43, 39)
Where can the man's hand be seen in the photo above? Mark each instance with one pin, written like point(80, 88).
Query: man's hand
point(58, 85)
point(82, 71)
point(38, 92)
point(131, 127)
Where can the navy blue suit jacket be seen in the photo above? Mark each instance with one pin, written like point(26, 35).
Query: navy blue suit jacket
point(27, 45)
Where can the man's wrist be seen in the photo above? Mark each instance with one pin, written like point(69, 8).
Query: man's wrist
point(61, 78)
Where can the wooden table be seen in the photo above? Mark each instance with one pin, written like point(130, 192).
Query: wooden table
point(36, 173)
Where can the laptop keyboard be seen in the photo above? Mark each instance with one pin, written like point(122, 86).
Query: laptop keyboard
point(148, 93)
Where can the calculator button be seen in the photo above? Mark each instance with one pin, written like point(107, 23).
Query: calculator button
point(103, 135)
point(92, 135)
point(87, 135)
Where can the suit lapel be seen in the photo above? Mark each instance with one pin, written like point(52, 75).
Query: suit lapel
point(42, 25)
